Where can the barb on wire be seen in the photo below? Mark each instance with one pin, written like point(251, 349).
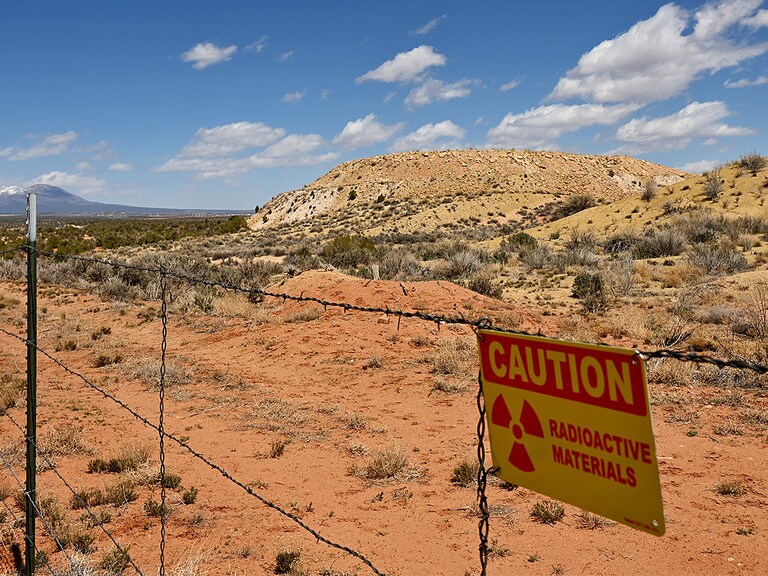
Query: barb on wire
point(481, 323)
point(202, 458)
point(81, 502)
point(40, 515)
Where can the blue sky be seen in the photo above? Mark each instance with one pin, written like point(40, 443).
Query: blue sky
point(226, 104)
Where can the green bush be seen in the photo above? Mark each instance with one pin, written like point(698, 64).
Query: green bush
point(576, 203)
point(349, 251)
point(590, 289)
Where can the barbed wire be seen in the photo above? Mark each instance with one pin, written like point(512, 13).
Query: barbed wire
point(161, 422)
point(19, 248)
point(17, 520)
point(480, 323)
point(482, 479)
point(81, 502)
point(200, 457)
point(40, 515)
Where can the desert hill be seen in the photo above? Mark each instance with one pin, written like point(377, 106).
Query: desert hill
point(420, 191)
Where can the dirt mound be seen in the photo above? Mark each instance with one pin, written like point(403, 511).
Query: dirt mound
point(432, 178)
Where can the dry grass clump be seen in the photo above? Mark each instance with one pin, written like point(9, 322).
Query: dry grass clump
point(148, 371)
point(11, 388)
point(129, 458)
point(717, 259)
point(733, 488)
point(453, 357)
point(590, 521)
point(465, 474)
point(547, 511)
point(63, 440)
point(387, 463)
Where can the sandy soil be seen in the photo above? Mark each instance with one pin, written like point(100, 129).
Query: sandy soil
point(336, 385)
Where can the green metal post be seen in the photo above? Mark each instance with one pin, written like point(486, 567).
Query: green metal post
point(31, 487)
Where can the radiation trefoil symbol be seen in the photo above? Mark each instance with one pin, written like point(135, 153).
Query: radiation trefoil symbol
point(528, 423)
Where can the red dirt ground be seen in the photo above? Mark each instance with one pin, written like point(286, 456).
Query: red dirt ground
point(331, 382)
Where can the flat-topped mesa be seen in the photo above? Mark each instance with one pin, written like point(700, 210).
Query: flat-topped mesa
point(410, 176)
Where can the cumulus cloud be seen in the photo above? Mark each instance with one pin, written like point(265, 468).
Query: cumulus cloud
point(746, 82)
point(120, 167)
point(81, 184)
point(437, 91)
point(206, 54)
point(656, 59)
point(540, 127)
point(52, 145)
point(229, 139)
point(406, 66)
point(442, 135)
point(365, 132)
point(697, 120)
point(427, 28)
point(294, 97)
point(227, 151)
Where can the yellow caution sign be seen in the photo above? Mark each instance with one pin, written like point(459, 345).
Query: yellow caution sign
point(572, 421)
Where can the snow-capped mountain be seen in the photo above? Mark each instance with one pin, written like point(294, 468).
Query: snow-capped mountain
point(55, 200)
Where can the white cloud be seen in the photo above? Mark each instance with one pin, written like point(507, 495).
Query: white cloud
point(76, 183)
point(365, 132)
point(758, 20)
point(655, 59)
point(540, 127)
point(229, 139)
point(746, 82)
point(284, 56)
point(324, 93)
point(700, 166)
point(442, 135)
point(406, 66)
point(509, 86)
point(52, 145)
point(697, 120)
point(294, 97)
point(217, 152)
point(120, 167)
point(437, 91)
point(427, 28)
point(257, 46)
point(206, 54)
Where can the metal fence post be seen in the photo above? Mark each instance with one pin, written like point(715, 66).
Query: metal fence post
point(31, 487)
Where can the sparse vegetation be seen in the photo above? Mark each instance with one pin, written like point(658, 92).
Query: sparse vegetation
point(547, 511)
point(465, 474)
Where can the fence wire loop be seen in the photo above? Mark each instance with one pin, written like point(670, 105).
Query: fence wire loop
point(482, 478)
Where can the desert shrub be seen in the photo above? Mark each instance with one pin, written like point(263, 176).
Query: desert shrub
point(700, 226)
point(581, 256)
point(753, 161)
point(121, 493)
point(621, 275)
point(621, 242)
point(399, 263)
point(484, 284)
point(106, 359)
point(190, 496)
point(513, 244)
point(581, 239)
point(590, 289)
point(657, 243)
point(462, 264)
point(349, 251)
point(301, 258)
point(115, 289)
point(720, 258)
point(649, 191)
point(547, 511)
point(115, 562)
point(387, 462)
point(465, 474)
point(576, 203)
point(127, 459)
point(536, 258)
point(285, 561)
point(12, 269)
point(713, 185)
point(155, 509)
point(256, 274)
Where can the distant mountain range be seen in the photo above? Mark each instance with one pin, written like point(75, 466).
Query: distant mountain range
point(56, 201)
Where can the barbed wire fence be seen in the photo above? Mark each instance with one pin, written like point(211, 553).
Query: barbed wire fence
point(163, 274)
